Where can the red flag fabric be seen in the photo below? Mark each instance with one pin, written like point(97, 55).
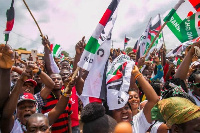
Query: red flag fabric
point(195, 4)
point(126, 40)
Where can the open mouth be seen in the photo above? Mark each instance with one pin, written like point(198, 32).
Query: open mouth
point(134, 103)
point(125, 118)
point(26, 116)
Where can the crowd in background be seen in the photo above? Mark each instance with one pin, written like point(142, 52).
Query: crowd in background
point(164, 94)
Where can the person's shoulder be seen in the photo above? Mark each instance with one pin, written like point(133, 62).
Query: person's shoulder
point(17, 127)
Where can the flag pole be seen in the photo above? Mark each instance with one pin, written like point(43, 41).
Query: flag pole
point(112, 44)
point(35, 22)
point(73, 76)
point(176, 7)
point(155, 39)
point(124, 42)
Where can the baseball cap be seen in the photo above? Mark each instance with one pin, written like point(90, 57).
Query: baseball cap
point(32, 81)
point(26, 96)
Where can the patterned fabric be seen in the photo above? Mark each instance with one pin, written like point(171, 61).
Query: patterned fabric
point(173, 91)
point(175, 110)
point(40, 102)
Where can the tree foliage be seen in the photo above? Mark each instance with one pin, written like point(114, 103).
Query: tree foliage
point(128, 49)
point(22, 48)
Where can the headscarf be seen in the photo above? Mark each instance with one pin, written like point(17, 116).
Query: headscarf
point(175, 110)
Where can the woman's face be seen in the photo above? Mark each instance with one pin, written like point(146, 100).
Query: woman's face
point(123, 114)
point(192, 126)
point(134, 100)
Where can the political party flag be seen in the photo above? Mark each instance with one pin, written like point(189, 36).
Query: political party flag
point(144, 40)
point(135, 48)
point(56, 50)
point(62, 57)
point(195, 4)
point(10, 14)
point(118, 81)
point(186, 29)
point(190, 27)
point(153, 31)
point(95, 85)
point(126, 39)
point(96, 39)
point(175, 51)
point(174, 22)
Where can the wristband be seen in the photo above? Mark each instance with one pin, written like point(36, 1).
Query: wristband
point(136, 76)
point(39, 72)
point(66, 95)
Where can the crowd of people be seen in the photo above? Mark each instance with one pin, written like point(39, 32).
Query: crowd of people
point(43, 96)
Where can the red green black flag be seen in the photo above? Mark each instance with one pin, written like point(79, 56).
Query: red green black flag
point(126, 40)
point(10, 14)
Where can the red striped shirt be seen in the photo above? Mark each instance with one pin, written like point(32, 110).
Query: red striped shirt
point(61, 125)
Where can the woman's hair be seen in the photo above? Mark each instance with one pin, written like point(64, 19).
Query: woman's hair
point(133, 89)
point(95, 120)
point(156, 86)
point(110, 112)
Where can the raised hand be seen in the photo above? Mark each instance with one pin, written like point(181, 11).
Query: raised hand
point(135, 71)
point(46, 43)
point(156, 60)
point(6, 56)
point(141, 61)
point(80, 46)
point(27, 74)
point(148, 63)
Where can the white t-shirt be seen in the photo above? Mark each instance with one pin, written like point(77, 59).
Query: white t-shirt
point(196, 100)
point(17, 127)
point(140, 124)
point(155, 127)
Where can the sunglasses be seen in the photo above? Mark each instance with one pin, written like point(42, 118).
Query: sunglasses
point(196, 84)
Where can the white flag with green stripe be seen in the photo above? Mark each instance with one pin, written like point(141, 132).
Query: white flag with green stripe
point(57, 50)
point(96, 39)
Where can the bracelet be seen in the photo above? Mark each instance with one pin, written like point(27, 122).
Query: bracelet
point(39, 72)
point(136, 76)
point(66, 95)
